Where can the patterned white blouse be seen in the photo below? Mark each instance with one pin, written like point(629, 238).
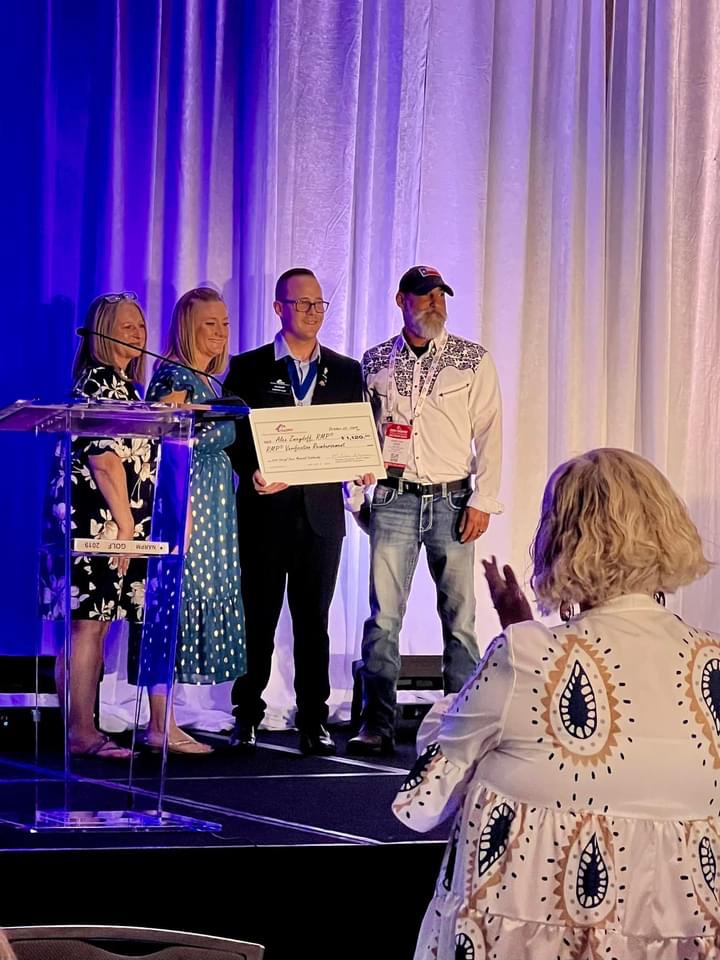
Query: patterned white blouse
point(581, 764)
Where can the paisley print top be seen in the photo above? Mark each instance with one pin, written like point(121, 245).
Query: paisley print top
point(581, 764)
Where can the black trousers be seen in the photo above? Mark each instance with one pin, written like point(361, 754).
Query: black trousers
point(289, 555)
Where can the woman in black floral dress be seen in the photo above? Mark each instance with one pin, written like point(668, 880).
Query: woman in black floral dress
point(113, 480)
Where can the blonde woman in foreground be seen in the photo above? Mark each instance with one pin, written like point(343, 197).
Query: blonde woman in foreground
point(581, 762)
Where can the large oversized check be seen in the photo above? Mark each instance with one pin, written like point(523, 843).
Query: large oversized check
point(316, 444)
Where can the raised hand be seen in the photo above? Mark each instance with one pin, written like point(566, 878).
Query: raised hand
point(508, 599)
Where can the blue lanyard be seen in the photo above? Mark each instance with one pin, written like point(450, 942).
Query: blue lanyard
point(300, 389)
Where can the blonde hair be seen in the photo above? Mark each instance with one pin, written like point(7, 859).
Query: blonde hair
point(100, 318)
point(181, 338)
point(611, 524)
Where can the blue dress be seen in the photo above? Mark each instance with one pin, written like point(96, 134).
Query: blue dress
point(211, 637)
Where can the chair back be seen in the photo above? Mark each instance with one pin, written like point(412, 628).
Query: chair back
point(115, 943)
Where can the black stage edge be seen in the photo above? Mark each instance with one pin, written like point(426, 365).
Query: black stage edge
point(309, 862)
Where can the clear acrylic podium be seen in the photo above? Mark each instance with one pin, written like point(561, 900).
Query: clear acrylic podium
point(85, 793)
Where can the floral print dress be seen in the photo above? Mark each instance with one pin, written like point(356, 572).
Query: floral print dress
point(97, 591)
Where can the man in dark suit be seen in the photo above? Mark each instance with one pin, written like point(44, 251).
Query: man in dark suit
point(289, 536)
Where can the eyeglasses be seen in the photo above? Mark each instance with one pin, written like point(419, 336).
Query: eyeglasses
point(119, 297)
point(305, 305)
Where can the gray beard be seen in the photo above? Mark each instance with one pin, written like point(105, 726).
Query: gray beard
point(428, 326)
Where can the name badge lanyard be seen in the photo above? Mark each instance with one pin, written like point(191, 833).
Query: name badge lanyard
point(392, 389)
point(300, 389)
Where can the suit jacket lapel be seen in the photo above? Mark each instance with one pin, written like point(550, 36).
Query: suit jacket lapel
point(277, 382)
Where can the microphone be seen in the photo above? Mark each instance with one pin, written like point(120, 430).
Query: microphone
point(231, 399)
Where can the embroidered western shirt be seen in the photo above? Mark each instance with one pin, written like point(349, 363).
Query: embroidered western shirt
point(458, 430)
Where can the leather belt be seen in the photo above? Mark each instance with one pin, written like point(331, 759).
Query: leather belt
point(425, 489)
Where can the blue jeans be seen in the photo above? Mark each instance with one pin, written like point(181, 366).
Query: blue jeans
point(399, 524)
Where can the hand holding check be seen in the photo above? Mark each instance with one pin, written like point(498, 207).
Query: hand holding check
point(262, 486)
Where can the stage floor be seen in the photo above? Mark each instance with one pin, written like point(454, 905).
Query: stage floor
point(273, 796)
point(304, 844)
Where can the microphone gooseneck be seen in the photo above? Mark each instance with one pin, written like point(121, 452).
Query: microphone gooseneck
point(87, 332)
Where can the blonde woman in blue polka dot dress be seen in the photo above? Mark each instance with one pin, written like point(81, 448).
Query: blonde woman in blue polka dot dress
point(211, 634)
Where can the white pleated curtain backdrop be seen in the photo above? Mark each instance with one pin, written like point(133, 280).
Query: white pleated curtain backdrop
point(571, 201)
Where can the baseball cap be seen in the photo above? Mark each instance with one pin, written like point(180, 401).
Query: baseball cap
point(422, 279)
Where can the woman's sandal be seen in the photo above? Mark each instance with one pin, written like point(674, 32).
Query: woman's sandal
point(184, 744)
point(104, 748)
point(188, 744)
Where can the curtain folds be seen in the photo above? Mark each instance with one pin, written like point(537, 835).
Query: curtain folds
point(572, 202)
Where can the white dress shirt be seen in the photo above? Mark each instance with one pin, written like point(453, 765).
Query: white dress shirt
point(302, 367)
point(458, 430)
